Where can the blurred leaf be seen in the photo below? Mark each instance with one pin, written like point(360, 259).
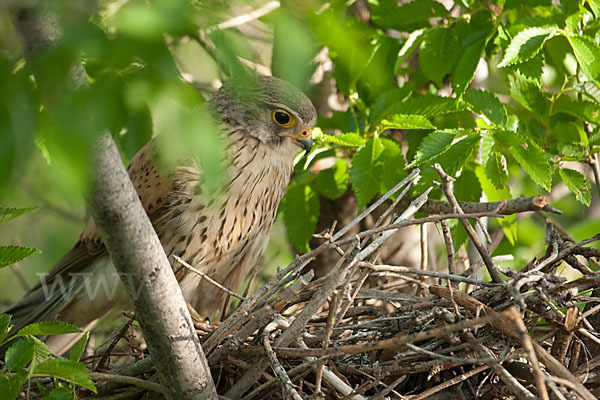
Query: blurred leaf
point(587, 53)
point(432, 146)
point(526, 44)
point(410, 45)
point(67, 370)
point(487, 104)
point(18, 355)
point(366, 170)
point(386, 101)
point(47, 328)
point(333, 182)
point(577, 184)
point(532, 69)
point(10, 386)
point(13, 254)
point(10, 213)
point(437, 53)
point(393, 164)
point(403, 121)
point(345, 139)
point(300, 213)
point(60, 393)
point(430, 106)
point(40, 349)
point(78, 348)
point(5, 326)
point(416, 13)
point(467, 187)
point(492, 193)
point(528, 95)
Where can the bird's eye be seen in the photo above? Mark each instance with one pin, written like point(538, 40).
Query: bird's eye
point(283, 118)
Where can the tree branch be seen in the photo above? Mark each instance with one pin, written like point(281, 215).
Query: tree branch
point(127, 232)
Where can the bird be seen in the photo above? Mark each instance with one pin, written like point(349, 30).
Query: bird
point(263, 123)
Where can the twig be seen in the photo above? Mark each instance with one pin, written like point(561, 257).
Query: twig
point(208, 278)
point(129, 380)
point(446, 187)
point(279, 370)
point(426, 393)
point(245, 18)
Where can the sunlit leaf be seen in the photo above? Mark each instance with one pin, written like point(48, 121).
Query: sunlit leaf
point(345, 139)
point(403, 121)
point(526, 44)
point(13, 254)
point(587, 53)
point(487, 104)
point(437, 53)
point(433, 145)
point(67, 370)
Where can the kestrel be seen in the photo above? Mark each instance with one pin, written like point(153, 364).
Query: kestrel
point(264, 122)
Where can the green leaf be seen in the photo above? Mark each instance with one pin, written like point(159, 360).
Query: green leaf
point(486, 103)
point(10, 386)
point(403, 121)
point(432, 146)
point(528, 95)
point(388, 15)
point(496, 171)
point(459, 154)
point(301, 213)
point(577, 184)
point(587, 54)
point(333, 182)
point(10, 213)
point(40, 349)
point(437, 53)
point(526, 44)
point(386, 101)
point(78, 348)
point(473, 47)
point(345, 139)
point(5, 326)
point(392, 165)
point(509, 222)
point(467, 187)
point(531, 69)
point(409, 46)
point(60, 393)
point(530, 157)
point(430, 106)
point(47, 328)
point(19, 354)
point(589, 89)
point(67, 370)
point(12, 254)
point(366, 170)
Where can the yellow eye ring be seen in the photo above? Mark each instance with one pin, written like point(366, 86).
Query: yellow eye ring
point(283, 118)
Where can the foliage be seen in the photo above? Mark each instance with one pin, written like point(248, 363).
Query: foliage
point(503, 95)
point(28, 357)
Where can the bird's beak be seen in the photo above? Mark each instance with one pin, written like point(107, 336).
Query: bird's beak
point(305, 141)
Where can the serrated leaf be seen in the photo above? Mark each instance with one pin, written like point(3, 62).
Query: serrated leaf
point(432, 146)
point(486, 103)
point(577, 184)
point(345, 139)
point(40, 350)
point(530, 157)
point(78, 348)
point(464, 71)
point(589, 89)
point(10, 213)
point(13, 254)
point(587, 53)
point(18, 355)
point(528, 95)
point(531, 69)
point(459, 154)
point(585, 110)
point(430, 106)
point(526, 44)
point(300, 214)
point(437, 53)
point(403, 121)
point(495, 169)
point(66, 370)
point(366, 170)
point(386, 101)
point(47, 328)
point(333, 182)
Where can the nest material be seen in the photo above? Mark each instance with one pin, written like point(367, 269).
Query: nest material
point(353, 335)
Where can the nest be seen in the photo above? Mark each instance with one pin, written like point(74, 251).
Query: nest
point(353, 335)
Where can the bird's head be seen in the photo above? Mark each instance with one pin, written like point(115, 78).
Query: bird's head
point(268, 108)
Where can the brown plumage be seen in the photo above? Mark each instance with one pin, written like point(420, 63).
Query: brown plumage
point(222, 234)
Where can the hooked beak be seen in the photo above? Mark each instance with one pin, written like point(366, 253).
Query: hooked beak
point(304, 140)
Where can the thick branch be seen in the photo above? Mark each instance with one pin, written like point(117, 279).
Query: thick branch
point(129, 236)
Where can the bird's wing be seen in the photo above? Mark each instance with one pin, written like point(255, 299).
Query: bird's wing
point(152, 188)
